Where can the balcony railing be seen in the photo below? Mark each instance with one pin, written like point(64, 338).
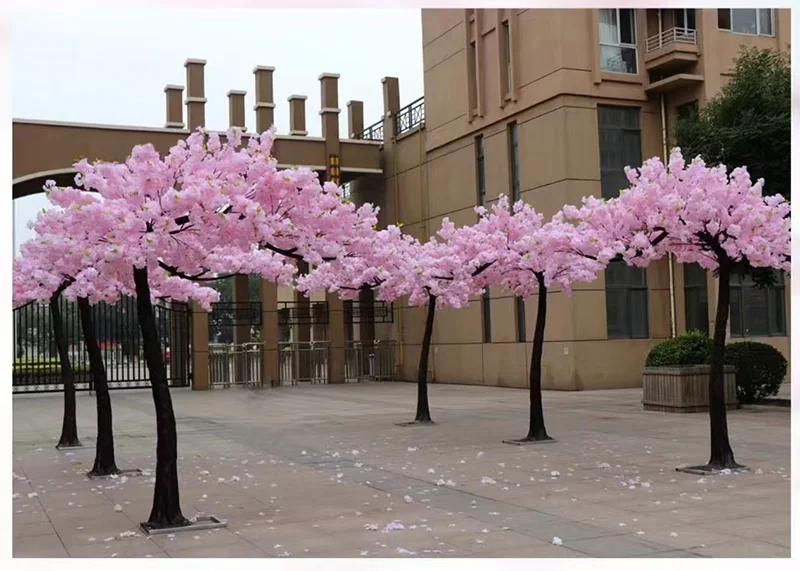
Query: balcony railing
point(372, 133)
point(410, 116)
point(672, 36)
point(312, 313)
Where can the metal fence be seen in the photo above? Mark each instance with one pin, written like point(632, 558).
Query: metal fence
point(235, 365)
point(371, 360)
point(305, 362)
point(37, 367)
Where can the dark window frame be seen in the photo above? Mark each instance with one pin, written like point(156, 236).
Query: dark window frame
point(629, 288)
point(513, 161)
point(695, 288)
point(480, 169)
point(612, 176)
point(774, 298)
point(519, 311)
point(486, 315)
point(725, 21)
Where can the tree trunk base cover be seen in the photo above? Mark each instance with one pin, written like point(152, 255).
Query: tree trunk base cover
point(198, 524)
point(527, 441)
point(69, 444)
point(416, 422)
point(712, 470)
point(127, 472)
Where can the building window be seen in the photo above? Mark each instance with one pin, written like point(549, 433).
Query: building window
point(520, 311)
point(505, 39)
point(486, 309)
point(481, 170)
point(618, 40)
point(695, 292)
point(513, 160)
point(472, 58)
point(749, 21)
point(620, 146)
point(757, 312)
point(626, 301)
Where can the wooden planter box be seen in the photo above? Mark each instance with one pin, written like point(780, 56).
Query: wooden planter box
point(684, 389)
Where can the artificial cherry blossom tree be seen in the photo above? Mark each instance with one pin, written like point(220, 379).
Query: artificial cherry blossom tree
point(448, 269)
point(537, 256)
point(701, 215)
point(206, 208)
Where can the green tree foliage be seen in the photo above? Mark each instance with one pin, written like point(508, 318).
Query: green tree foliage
point(748, 123)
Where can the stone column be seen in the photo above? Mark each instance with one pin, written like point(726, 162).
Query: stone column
point(355, 119)
point(236, 114)
point(174, 96)
point(265, 106)
point(196, 93)
point(270, 333)
point(297, 115)
point(329, 115)
point(200, 372)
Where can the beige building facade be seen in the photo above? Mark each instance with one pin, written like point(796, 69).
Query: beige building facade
point(549, 106)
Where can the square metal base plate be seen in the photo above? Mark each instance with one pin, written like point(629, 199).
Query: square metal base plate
point(703, 471)
point(70, 447)
point(130, 472)
point(415, 423)
point(201, 522)
point(528, 442)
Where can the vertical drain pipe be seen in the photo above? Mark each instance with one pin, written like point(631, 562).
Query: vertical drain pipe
point(672, 324)
point(402, 341)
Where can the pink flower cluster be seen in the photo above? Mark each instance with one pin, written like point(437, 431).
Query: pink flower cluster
point(214, 206)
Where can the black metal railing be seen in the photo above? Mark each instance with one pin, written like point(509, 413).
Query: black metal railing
point(372, 133)
point(292, 313)
point(377, 312)
point(229, 314)
point(37, 367)
point(410, 116)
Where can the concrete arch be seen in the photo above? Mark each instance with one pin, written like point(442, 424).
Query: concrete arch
point(33, 183)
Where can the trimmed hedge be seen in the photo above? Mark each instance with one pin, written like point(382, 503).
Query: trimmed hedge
point(693, 348)
point(760, 370)
point(43, 366)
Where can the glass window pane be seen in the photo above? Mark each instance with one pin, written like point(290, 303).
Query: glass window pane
point(694, 275)
point(756, 312)
point(617, 314)
point(735, 318)
point(777, 311)
point(696, 310)
point(615, 274)
point(627, 26)
point(608, 26)
point(638, 312)
point(631, 149)
point(637, 276)
point(691, 19)
point(765, 21)
point(743, 20)
point(617, 59)
point(612, 182)
point(487, 317)
point(724, 18)
point(521, 333)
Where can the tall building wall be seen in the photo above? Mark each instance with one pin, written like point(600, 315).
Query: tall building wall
point(541, 70)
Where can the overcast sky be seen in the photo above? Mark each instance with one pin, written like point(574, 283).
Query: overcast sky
point(111, 65)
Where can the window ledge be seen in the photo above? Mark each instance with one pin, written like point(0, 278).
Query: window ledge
point(621, 77)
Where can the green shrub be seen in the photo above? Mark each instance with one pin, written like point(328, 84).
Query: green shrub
point(693, 348)
point(760, 370)
point(42, 366)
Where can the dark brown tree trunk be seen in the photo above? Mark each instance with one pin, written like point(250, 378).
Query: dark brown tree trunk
point(104, 461)
point(166, 511)
point(536, 429)
point(69, 426)
point(721, 452)
point(423, 408)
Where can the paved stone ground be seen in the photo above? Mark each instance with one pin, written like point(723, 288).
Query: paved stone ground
point(306, 471)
